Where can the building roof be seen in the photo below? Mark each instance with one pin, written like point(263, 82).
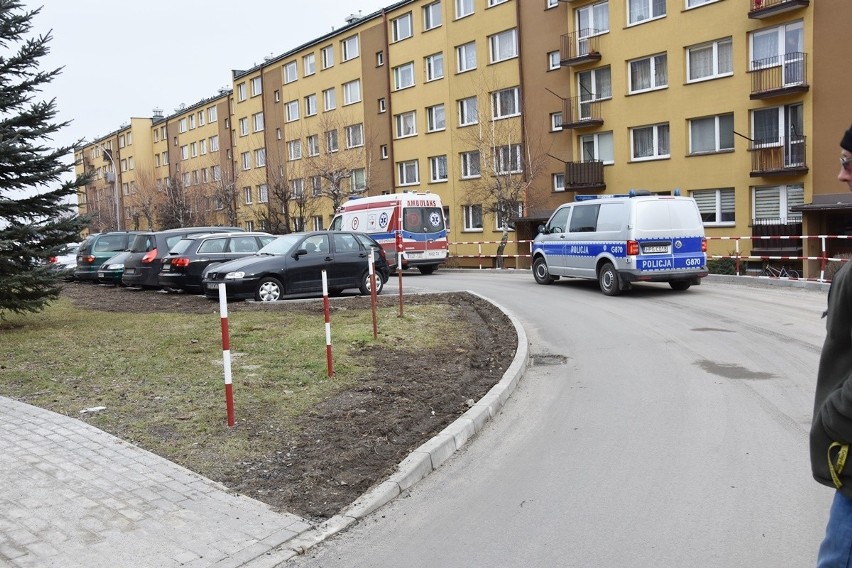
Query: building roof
point(828, 202)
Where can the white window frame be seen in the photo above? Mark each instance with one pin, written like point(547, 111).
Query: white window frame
point(716, 122)
point(468, 113)
point(214, 143)
point(464, 61)
point(503, 46)
point(720, 69)
point(556, 121)
point(354, 136)
point(472, 216)
point(256, 86)
point(312, 142)
point(292, 111)
point(432, 16)
point(351, 92)
point(645, 9)
point(510, 99)
point(260, 157)
point(332, 143)
point(349, 48)
point(182, 125)
point(329, 97)
point(554, 60)
point(358, 180)
point(263, 193)
point(212, 114)
point(509, 159)
point(294, 150)
point(309, 64)
point(464, 8)
point(408, 173)
point(660, 142)
point(434, 66)
point(696, 3)
point(718, 202)
point(327, 56)
point(602, 147)
point(248, 195)
point(436, 118)
point(658, 79)
point(243, 126)
point(403, 76)
point(471, 164)
point(558, 182)
point(406, 124)
point(246, 160)
point(291, 72)
point(438, 169)
point(402, 27)
point(787, 196)
point(257, 121)
point(311, 104)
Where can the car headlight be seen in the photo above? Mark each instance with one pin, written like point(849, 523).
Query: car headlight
point(234, 275)
point(114, 267)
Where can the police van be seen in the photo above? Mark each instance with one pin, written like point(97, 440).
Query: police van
point(621, 239)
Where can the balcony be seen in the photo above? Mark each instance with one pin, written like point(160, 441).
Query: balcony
point(784, 155)
point(581, 112)
point(776, 237)
point(584, 175)
point(760, 9)
point(779, 75)
point(580, 47)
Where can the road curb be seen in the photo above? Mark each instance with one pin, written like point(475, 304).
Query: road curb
point(419, 463)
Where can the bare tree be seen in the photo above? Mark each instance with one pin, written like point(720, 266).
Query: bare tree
point(224, 192)
point(145, 200)
point(275, 217)
point(174, 211)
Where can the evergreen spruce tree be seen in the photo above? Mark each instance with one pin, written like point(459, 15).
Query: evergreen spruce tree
point(37, 217)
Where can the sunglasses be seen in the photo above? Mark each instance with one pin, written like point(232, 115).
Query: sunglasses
point(846, 163)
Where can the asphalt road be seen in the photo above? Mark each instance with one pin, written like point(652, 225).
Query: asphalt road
point(655, 429)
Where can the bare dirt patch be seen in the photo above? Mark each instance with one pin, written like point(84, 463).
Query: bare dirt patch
point(355, 439)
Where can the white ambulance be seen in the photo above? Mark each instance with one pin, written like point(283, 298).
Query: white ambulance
point(410, 223)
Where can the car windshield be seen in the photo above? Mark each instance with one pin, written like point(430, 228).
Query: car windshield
point(281, 245)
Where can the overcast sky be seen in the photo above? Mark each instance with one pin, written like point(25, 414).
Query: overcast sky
point(123, 58)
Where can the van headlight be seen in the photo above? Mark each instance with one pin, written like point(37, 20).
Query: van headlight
point(235, 275)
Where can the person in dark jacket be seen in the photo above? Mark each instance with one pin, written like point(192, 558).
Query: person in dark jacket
point(831, 429)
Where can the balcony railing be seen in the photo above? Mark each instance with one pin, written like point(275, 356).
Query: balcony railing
point(581, 112)
point(784, 155)
point(760, 9)
point(779, 75)
point(776, 237)
point(584, 175)
point(580, 47)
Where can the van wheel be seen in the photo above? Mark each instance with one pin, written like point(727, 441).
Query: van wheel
point(268, 290)
point(541, 273)
point(680, 285)
point(365, 284)
point(608, 280)
point(427, 269)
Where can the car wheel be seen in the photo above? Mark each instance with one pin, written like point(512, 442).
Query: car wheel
point(269, 289)
point(680, 285)
point(365, 284)
point(427, 269)
point(540, 271)
point(608, 280)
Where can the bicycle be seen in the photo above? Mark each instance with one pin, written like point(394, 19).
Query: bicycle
point(782, 272)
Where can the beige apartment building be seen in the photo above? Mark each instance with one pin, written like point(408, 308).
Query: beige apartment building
point(738, 103)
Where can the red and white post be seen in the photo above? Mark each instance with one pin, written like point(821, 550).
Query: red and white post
point(327, 311)
point(226, 353)
point(372, 269)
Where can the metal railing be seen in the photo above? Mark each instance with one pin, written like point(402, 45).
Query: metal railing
point(584, 174)
point(779, 154)
point(578, 112)
point(779, 74)
point(580, 46)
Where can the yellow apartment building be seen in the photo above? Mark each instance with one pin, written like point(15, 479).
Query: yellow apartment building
point(738, 103)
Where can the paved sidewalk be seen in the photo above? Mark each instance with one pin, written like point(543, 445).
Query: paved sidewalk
point(72, 495)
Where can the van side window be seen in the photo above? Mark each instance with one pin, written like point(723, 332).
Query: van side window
point(559, 221)
point(612, 217)
point(585, 219)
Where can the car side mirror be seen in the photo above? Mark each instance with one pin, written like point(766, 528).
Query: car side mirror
point(542, 230)
point(300, 252)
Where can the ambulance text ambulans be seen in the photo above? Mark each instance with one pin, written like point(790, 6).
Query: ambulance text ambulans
point(411, 223)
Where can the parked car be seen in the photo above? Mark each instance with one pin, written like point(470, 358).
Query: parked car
point(112, 270)
point(293, 264)
point(66, 262)
point(142, 266)
point(97, 249)
point(186, 261)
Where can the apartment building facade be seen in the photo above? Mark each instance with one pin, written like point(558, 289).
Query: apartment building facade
point(737, 103)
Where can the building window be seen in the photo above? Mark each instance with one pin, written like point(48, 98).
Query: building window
point(327, 56)
point(548, 4)
point(515, 212)
point(435, 67)
point(694, 3)
point(709, 61)
point(782, 47)
point(263, 193)
point(316, 186)
point(503, 46)
point(648, 73)
point(432, 16)
point(291, 72)
point(256, 86)
point(466, 57)
point(358, 180)
point(294, 150)
point(211, 114)
point(184, 152)
point(403, 76)
point(203, 145)
point(352, 92)
point(559, 182)
point(406, 124)
point(496, 2)
point(384, 151)
point(298, 187)
point(257, 121)
point(597, 148)
point(649, 142)
point(594, 85)
point(292, 111)
point(309, 64)
point(592, 20)
point(435, 118)
point(401, 27)
point(716, 206)
point(329, 97)
point(555, 121)
point(472, 217)
point(438, 169)
point(639, 11)
point(711, 134)
point(468, 112)
point(380, 58)
point(318, 223)
point(505, 103)
point(464, 8)
point(470, 165)
point(553, 61)
point(193, 149)
point(260, 158)
point(247, 193)
point(355, 136)
point(509, 159)
point(331, 141)
point(244, 126)
point(774, 203)
point(349, 48)
point(214, 143)
point(246, 160)
point(182, 125)
point(313, 145)
point(311, 105)
point(408, 173)
point(241, 92)
point(382, 105)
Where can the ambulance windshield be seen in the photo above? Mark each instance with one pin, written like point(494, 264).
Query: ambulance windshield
point(423, 219)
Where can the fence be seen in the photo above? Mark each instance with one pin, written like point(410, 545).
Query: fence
point(740, 260)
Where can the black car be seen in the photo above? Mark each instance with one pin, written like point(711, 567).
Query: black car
point(293, 264)
point(142, 266)
point(187, 260)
